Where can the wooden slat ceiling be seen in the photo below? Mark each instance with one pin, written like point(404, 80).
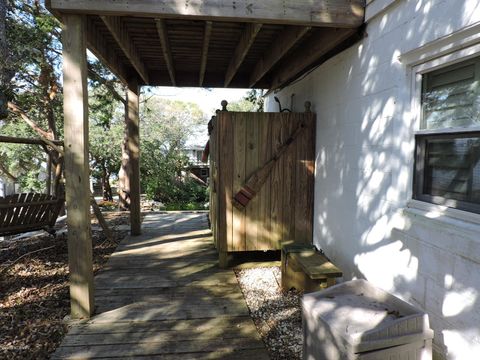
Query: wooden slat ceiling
point(191, 51)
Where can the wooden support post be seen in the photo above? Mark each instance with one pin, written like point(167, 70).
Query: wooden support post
point(77, 169)
point(133, 134)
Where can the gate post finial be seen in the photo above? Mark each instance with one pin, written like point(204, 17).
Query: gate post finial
point(224, 105)
point(308, 105)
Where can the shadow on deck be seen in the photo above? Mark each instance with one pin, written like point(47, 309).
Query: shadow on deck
point(162, 296)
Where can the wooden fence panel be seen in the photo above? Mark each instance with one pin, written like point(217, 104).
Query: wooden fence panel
point(282, 211)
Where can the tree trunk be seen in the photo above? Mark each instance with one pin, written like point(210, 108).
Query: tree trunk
point(123, 174)
point(4, 73)
point(106, 188)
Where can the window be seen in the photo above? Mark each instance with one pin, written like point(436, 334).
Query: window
point(447, 169)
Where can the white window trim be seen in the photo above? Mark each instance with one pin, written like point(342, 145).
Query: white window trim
point(416, 70)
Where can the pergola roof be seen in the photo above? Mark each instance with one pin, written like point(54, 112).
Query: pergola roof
point(215, 43)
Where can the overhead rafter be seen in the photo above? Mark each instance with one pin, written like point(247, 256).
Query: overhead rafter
point(324, 41)
point(120, 33)
point(206, 43)
point(287, 39)
point(338, 13)
point(98, 45)
point(167, 54)
point(246, 41)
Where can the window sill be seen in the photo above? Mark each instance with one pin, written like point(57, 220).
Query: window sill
point(443, 213)
point(450, 130)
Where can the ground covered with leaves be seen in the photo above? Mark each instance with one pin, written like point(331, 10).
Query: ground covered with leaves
point(34, 298)
point(276, 315)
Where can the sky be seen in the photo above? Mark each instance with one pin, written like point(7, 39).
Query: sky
point(207, 99)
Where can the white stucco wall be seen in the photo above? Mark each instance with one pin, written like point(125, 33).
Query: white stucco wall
point(365, 146)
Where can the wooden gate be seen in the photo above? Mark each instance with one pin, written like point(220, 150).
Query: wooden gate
point(282, 210)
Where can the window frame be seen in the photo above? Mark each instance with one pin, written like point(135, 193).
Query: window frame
point(422, 135)
point(419, 175)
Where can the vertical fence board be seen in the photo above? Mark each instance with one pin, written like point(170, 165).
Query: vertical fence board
point(310, 166)
point(252, 212)
point(290, 124)
point(264, 154)
point(278, 138)
point(238, 121)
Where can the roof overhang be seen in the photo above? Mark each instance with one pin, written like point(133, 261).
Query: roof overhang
point(215, 43)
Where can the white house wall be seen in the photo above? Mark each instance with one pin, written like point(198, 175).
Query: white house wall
point(364, 219)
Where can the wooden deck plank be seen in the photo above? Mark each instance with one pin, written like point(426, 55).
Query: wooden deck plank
point(162, 296)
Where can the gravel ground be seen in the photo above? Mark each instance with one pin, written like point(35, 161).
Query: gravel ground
point(34, 296)
point(277, 316)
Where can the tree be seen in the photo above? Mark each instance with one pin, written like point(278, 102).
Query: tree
point(106, 121)
point(29, 79)
point(30, 82)
point(4, 72)
point(252, 102)
point(165, 127)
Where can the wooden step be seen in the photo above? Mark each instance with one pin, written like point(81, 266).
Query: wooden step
point(315, 265)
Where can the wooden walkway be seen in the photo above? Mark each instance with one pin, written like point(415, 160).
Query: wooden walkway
point(162, 296)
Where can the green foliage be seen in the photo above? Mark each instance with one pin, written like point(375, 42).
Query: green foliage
point(166, 126)
point(106, 122)
point(251, 102)
point(255, 97)
point(30, 78)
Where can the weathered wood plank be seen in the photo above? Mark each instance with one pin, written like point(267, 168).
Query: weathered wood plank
point(264, 196)
point(290, 123)
point(19, 140)
point(341, 13)
point(152, 334)
point(118, 29)
point(98, 45)
point(193, 326)
point(252, 212)
point(289, 37)
point(318, 45)
point(77, 170)
point(167, 53)
point(200, 315)
point(226, 138)
point(217, 349)
point(310, 167)
point(257, 354)
point(246, 41)
point(278, 138)
point(238, 121)
point(315, 265)
point(203, 64)
point(304, 169)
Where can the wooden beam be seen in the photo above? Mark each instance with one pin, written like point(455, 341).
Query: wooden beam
point(98, 45)
point(77, 171)
point(133, 149)
point(338, 13)
point(286, 40)
point(246, 41)
point(167, 54)
point(16, 140)
point(319, 45)
point(120, 33)
point(206, 42)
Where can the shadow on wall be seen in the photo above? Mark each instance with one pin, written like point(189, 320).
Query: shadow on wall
point(364, 166)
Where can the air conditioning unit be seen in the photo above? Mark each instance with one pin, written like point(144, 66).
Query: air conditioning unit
point(356, 320)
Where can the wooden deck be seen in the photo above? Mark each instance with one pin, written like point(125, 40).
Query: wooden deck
point(162, 296)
